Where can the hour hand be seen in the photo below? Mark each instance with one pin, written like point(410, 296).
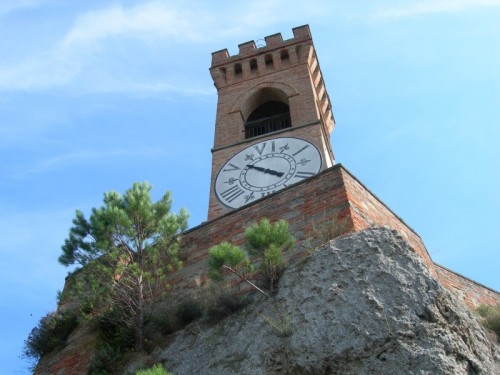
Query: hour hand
point(266, 170)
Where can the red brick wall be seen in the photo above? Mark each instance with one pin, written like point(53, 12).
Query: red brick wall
point(74, 358)
point(469, 291)
point(306, 206)
point(367, 210)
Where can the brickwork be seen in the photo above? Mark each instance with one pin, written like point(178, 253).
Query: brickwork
point(75, 358)
point(285, 71)
point(469, 291)
point(367, 210)
point(307, 207)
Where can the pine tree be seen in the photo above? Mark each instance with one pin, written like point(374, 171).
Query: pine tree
point(128, 246)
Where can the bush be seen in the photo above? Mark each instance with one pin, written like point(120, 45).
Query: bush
point(268, 241)
point(333, 228)
point(188, 310)
point(105, 359)
point(490, 317)
point(225, 254)
point(222, 301)
point(51, 332)
point(112, 331)
point(113, 341)
point(155, 370)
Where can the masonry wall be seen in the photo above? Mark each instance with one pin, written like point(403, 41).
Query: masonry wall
point(367, 210)
point(469, 291)
point(306, 206)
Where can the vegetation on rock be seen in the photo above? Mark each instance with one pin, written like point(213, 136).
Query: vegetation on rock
point(128, 246)
point(51, 332)
point(265, 242)
point(490, 317)
point(155, 370)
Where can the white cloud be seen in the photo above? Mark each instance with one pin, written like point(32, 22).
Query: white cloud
point(150, 20)
point(10, 6)
point(86, 56)
point(69, 159)
point(434, 6)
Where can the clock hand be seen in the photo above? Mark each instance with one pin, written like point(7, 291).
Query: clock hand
point(266, 170)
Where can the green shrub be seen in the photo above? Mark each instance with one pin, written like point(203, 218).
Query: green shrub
point(105, 359)
point(332, 228)
point(113, 341)
point(112, 331)
point(222, 301)
point(226, 255)
point(51, 332)
point(490, 317)
point(188, 310)
point(268, 241)
point(155, 370)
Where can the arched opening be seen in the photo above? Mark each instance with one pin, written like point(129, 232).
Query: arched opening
point(269, 117)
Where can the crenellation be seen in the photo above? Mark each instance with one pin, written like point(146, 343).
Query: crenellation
point(220, 56)
point(301, 31)
point(274, 40)
point(249, 49)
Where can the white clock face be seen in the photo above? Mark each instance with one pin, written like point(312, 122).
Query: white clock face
point(264, 168)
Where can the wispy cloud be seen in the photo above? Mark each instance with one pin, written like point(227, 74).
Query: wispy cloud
point(87, 156)
point(413, 9)
point(87, 55)
point(10, 6)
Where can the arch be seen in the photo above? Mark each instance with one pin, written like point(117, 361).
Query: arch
point(257, 95)
point(269, 117)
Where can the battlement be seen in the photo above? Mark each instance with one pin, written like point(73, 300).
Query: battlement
point(292, 61)
point(248, 49)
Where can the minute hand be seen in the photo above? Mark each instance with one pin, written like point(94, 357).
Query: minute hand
point(266, 170)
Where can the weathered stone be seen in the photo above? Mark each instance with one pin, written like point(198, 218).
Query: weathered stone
point(363, 304)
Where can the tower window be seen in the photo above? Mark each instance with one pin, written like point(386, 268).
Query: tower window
point(269, 117)
point(237, 69)
point(269, 61)
point(253, 65)
point(284, 55)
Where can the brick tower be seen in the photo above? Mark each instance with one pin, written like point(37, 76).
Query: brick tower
point(273, 122)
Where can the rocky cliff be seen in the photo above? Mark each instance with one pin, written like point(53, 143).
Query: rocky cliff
point(362, 304)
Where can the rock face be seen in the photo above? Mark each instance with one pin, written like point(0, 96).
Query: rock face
point(363, 304)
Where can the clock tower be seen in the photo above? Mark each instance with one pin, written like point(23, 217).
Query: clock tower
point(273, 122)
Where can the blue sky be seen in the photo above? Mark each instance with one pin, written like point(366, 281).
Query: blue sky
point(95, 95)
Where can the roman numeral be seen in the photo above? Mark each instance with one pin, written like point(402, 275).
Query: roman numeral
point(302, 149)
point(304, 174)
point(267, 193)
point(261, 150)
point(273, 146)
point(232, 193)
point(231, 167)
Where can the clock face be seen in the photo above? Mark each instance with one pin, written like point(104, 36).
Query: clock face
point(264, 168)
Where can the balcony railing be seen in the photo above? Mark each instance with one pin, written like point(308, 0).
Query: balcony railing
point(267, 125)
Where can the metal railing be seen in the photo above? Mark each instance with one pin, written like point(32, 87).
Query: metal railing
point(267, 125)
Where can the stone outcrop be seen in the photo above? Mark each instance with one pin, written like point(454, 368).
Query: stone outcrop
point(362, 304)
